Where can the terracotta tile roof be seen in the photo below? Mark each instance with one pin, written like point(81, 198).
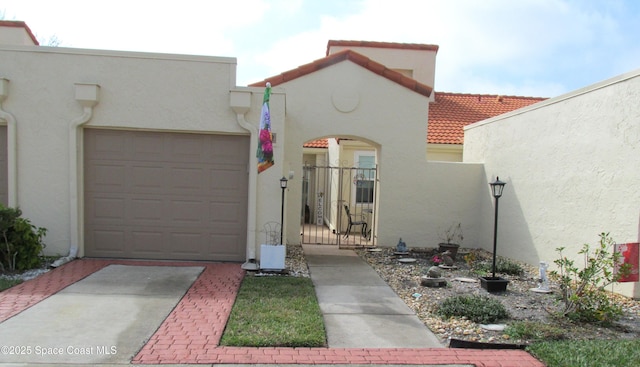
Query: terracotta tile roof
point(20, 24)
point(354, 57)
point(402, 46)
point(319, 143)
point(450, 112)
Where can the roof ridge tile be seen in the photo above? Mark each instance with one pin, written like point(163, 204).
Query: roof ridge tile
point(354, 57)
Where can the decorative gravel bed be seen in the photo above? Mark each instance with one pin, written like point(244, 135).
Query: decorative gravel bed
point(522, 304)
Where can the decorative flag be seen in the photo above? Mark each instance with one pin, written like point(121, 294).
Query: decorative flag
point(265, 141)
point(629, 255)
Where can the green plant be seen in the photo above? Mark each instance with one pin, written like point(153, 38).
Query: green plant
point(504, 266)
point(534, 331)
point(582, 289)
point(8, 283)
point(470, 259)
point(21, 242)
point(480, 309)
point(587, 353)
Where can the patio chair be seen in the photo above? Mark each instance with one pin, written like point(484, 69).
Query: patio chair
point(352, 222)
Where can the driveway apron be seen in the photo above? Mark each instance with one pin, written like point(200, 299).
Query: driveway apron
point(104, 318)
point(360, 310)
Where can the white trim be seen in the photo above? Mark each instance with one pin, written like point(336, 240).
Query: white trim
point(12, 147)
point(87, 96)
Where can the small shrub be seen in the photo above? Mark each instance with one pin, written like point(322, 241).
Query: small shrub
point(503, 266)
point(479, 309)
point(470, 259)
point(534, 331)
point(583, 294)
point(506, 266)
point(21, 242)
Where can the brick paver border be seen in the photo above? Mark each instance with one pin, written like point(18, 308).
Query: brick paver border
point(192, 331)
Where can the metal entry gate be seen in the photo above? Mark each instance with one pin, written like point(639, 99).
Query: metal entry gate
point(327, 193)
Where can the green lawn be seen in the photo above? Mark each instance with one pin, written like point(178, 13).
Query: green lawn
point(592, 353)
point(275, 312)
point(8, 283)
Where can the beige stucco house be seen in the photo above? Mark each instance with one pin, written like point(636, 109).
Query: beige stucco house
point(142, 155)
point(341, 171)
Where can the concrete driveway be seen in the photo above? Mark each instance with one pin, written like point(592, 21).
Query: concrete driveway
point(104, 318)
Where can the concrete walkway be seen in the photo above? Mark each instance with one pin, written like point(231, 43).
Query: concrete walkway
point(190, 334)
point(360, 310)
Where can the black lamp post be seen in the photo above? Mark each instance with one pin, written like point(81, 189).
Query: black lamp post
point(493, 283)
point(496, 188)
point(283, 185)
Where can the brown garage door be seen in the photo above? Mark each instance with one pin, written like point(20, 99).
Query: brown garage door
point(153, 195)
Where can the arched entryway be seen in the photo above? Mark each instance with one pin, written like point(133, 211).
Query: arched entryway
point(340, 192)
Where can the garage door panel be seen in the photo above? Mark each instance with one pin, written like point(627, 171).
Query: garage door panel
point(224, 212)
point(108, 145)
point(106, 177)
point(225, 245)
point(188, 211)
point(226, 152)
point(145, 211)
point(148, 148)
point(167, 197)
point(225, 180)
point(188, 180)
point(147, 178)
point(191, 244)
point(108, 242)
point(107, 209)
point(188, 148)
point(149, 243)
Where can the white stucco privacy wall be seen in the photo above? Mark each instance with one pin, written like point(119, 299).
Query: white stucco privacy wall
point(134, 91)
point(571, 167)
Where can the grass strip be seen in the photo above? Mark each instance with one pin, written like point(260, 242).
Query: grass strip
point(588, 353)
point(275, 312)
point(8, 283)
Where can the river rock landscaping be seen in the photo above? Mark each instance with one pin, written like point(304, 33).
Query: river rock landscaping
point(527, 309)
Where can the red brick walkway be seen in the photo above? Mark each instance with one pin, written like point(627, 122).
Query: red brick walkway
point(191, 333)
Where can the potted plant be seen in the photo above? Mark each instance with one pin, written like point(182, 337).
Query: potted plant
point(452, 239)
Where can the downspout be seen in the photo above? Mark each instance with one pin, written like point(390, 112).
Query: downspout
point(241, 103)
point(12, 152)
point(87, 96)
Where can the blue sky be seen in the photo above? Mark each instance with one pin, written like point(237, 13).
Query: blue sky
point(526, 47)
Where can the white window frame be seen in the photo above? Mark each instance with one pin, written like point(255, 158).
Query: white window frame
point(356, 160)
